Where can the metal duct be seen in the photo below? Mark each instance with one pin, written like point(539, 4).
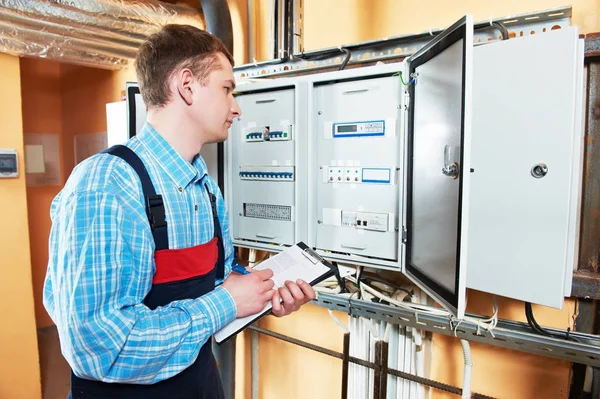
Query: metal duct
point(218, 21)
point(98, 33)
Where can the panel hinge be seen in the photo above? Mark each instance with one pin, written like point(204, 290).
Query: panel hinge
point(406, 100)
point(404, 235)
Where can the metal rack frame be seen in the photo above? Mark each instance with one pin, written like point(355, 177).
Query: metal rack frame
point(507, 334)
point(397, 47)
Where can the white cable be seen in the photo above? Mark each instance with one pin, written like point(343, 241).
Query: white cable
point(338, 322)
point(466, 391)
point(388, 330)
point(488, 324)
point(252, 258)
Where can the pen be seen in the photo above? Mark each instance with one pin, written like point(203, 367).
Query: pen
point(240, 269)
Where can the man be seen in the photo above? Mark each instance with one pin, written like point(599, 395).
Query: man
point(139, 275)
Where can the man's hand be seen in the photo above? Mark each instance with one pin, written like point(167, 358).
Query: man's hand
point(294, 296)
point(250, 292)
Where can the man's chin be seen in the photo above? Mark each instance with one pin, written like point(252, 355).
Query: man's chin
point(218, 138)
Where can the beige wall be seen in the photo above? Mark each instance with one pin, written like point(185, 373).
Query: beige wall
point(292, 372)
point(19, 361)
point(350, 21)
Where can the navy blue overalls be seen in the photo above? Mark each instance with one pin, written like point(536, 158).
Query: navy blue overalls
point(180, 274)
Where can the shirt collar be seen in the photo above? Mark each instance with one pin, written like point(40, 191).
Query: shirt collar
point(173, 164)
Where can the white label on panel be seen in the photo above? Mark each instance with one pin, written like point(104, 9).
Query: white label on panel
point(332, 217)
point(390, 127)
point(250, 125)
point(392, 222)
point(274, 163)
point(376, 175)
point(288, 162)
point(327, 130)
point(349, 163)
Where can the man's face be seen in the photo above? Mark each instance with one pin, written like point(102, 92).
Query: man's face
point(215, 107)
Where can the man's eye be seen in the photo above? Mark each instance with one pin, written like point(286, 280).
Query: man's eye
point(227, 89)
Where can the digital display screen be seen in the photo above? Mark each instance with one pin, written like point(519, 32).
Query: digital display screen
point(347, 129)
point(7, 163)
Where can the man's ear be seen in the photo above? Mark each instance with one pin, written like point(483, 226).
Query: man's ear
point(184, 80)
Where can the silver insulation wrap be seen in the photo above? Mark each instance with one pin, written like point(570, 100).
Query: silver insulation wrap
point(98, 33)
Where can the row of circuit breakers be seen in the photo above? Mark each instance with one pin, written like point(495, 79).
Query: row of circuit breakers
point(467, 177)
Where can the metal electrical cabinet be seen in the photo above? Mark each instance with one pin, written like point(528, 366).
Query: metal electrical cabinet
point(527, 158)
point(354, 165)
point(266, 153)
point(464, 174)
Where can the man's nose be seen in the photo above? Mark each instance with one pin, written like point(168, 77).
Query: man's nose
point(236, 110)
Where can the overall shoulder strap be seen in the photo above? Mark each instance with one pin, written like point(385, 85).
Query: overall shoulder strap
point(218, 234)
point(155, 208)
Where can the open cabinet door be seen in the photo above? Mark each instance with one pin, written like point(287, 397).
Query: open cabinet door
point(438, 165)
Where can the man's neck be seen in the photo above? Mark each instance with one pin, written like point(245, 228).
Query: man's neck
point(172, 126)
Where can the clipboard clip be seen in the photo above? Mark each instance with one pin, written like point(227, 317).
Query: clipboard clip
point(312, 256)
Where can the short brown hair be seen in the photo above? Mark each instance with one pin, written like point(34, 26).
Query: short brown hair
point(172, 48)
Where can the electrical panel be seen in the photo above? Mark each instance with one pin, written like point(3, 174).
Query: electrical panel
point(266, 153)
point(355, 173)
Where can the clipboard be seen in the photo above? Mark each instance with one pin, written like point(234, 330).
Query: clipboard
point(306, 262)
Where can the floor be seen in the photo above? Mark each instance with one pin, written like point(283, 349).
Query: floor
point(54, 368)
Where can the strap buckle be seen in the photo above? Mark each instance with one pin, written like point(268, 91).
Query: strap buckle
point(156, 211)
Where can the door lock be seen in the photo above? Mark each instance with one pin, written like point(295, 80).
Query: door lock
point(450, 168)
point(540, 170)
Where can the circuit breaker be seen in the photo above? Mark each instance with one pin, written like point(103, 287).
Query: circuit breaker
point(266, 153)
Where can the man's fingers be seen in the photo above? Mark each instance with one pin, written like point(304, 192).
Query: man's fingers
point(268, 296)
point(295, 291)
point(263, 274)
point(288, 300)
point(307, 289)
point(267, 285)
point(277, 306)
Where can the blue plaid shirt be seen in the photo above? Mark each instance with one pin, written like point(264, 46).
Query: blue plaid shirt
point(101, 265)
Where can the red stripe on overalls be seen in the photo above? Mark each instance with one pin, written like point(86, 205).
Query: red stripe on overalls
point(182, 264)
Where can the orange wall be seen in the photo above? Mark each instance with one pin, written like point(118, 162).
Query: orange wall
point(19, 364)
point(41, 107)
point(65, 100)
point(350, 21)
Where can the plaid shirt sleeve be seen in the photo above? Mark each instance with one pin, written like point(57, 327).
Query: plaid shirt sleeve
point(100, 268)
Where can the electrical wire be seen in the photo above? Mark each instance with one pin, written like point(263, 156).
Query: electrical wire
point(488, 324)
point(503, 31)
point(402, 80)
point(540, 330)
point(346, 59)
point(466, 390)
